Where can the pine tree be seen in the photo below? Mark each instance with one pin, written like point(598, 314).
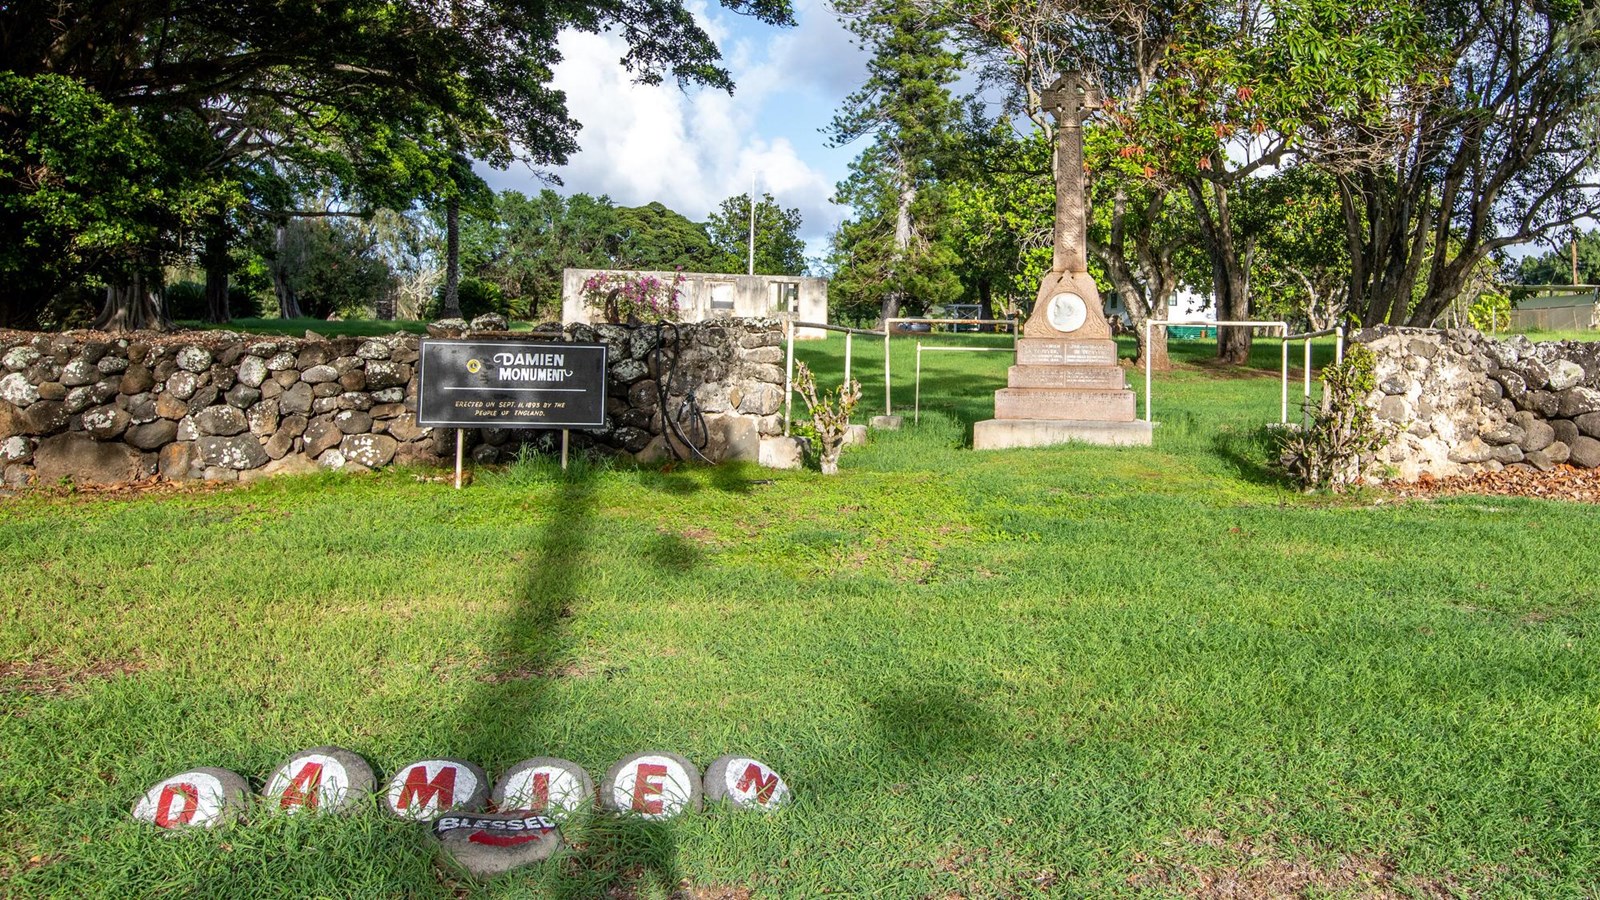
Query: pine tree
point(905, 107)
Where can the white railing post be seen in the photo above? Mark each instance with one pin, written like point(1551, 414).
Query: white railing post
point(916, 403)
point(788, 379)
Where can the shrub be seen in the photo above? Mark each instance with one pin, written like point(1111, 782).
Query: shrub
point(632, 297)
point(1342, 433)
point(829, 417)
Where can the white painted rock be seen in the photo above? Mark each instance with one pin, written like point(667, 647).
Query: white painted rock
point(746, 783)
point(430, 787)
point(545, 786)
point(487, 844)
point(326, 779)
point(652, 785)
point(198, 798)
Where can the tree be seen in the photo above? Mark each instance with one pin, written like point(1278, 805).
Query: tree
point(1208, 96)
point(413, 81)
point(655, 237)
point(778, 247)
point(1000, 211)
point(907, 110)
point(1499, 150)
point(1556, 266)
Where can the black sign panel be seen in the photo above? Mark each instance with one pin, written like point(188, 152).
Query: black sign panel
point(504, 384)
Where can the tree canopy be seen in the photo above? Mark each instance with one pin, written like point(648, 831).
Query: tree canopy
point(249, 104)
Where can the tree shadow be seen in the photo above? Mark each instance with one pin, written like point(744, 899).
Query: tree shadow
point(1249, 453)
point(929, 724)
point(513, 714)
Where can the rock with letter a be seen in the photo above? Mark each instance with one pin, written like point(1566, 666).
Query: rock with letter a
point(487, 844)
point(323, 779)
point(198, 798)
point(652, 785)
point(746, 783)
point(431, 787)
point(545, 786)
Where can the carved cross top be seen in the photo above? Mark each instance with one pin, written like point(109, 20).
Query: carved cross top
point(1071, 99)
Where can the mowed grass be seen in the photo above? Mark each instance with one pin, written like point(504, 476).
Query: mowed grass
point(1060, 672)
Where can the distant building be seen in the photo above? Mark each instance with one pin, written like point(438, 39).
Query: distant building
point(708, 295)
point(1556, 312)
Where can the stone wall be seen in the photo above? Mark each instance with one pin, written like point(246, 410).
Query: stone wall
point(223, 406)
point(1462, 402)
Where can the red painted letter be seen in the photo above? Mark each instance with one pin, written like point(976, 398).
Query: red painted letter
point(540, 791)
point(306, 788)
point(762, 786)
point(420, 789)
point(191, 805)
point(647, 793)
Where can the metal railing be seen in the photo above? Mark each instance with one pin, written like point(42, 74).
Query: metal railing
point(888, 329)
point(916, 406)
point(789, 327)
point(1286, 337)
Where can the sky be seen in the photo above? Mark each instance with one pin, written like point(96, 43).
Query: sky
point(691, 149)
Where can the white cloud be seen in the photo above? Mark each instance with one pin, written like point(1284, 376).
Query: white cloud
point(691, 149)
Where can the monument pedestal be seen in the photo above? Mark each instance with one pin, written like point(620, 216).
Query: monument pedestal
point(1063, 389)
point(1066, 385)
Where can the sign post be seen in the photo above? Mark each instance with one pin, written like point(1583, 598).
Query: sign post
point(504, 384)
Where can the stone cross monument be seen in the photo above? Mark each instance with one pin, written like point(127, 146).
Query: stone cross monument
point(1066, 385)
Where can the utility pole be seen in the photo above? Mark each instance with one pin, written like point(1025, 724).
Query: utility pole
point(753, 227)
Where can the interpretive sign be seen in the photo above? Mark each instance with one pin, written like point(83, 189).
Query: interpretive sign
point(502, 384)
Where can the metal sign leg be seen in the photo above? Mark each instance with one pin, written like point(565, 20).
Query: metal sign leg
point(564, 433)
point(460, 448)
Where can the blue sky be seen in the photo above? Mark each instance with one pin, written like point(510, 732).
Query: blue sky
point(691, 149)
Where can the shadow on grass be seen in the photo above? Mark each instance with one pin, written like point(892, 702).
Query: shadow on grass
point(929, 724)
point(1249, 454)
point(512, 715)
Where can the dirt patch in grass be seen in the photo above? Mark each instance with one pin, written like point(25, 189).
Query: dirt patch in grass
point(1243, 869)
point(689, 891)
point(524, 673)
point(1561, 483)
point(43, 678)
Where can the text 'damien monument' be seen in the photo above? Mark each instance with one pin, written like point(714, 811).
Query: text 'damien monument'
point(1066, 385)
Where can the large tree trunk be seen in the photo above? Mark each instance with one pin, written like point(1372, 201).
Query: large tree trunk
point(132, 305)
point(288, 302)
point(1144, 286)
point(452, 261)
point(214, 258)
point(894, 300)
point(1229, 270)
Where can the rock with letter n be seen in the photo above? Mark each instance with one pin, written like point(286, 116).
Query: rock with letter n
point(744, 782)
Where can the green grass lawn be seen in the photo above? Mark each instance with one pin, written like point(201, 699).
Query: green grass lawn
point(1059, 672)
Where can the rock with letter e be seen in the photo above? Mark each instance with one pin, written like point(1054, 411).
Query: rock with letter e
point(652, 785)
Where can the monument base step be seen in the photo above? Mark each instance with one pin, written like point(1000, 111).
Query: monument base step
point(1103, 378)
point(1064, 403)
point(1065, 352)
point(1003, 434)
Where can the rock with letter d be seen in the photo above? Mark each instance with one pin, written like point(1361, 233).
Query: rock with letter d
point(198, 798)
